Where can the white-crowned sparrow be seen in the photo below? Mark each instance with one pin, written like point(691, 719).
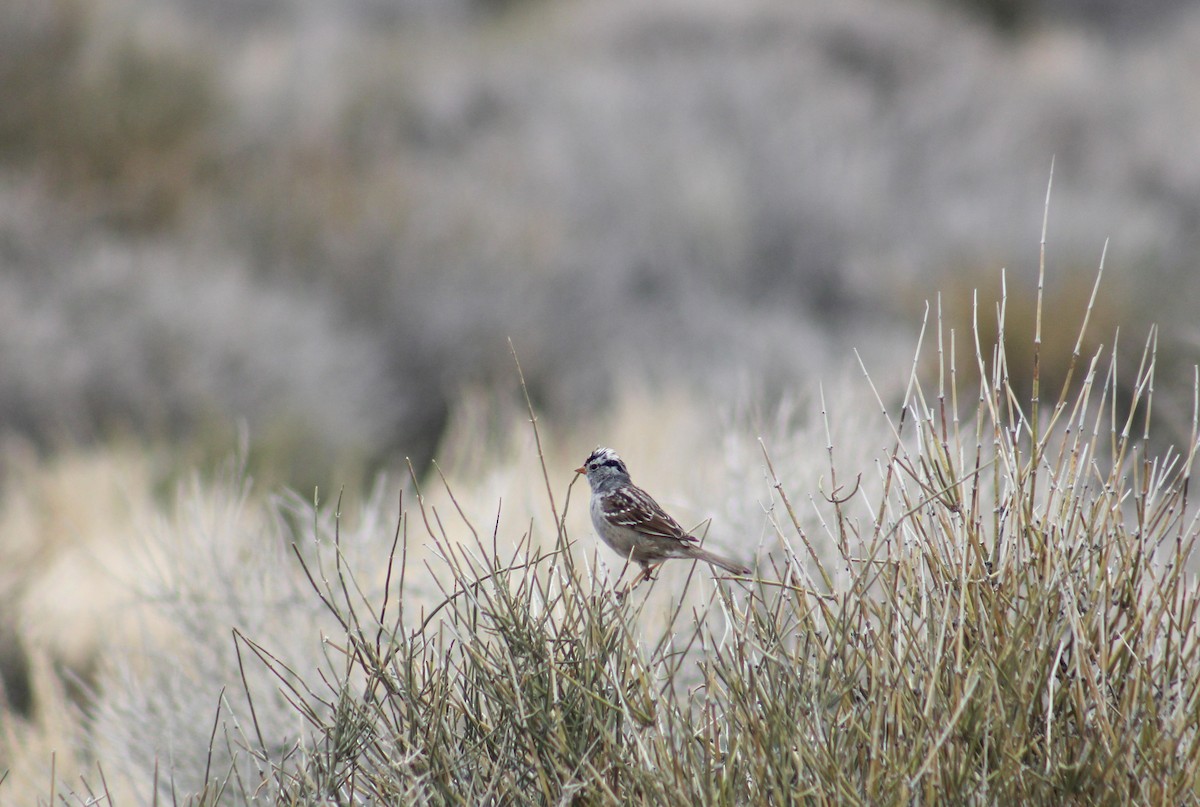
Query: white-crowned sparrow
point(633, 524)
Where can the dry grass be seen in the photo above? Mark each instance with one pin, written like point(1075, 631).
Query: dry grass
point(1001, 610)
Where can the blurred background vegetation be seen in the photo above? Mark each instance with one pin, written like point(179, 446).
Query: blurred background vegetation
point(323, 224)
point(312, 227)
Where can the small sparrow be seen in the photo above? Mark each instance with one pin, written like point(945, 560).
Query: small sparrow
point(634, 525)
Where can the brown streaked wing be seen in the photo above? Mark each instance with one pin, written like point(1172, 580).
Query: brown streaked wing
point(633, 508)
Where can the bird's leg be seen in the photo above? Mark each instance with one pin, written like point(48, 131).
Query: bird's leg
point(647, 574)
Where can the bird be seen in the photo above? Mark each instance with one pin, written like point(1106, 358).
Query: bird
point(630, 522)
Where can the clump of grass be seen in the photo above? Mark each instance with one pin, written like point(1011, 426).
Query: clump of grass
point(1018, 626)
point(1008, 616)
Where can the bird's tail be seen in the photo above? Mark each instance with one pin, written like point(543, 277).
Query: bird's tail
point(731, 566)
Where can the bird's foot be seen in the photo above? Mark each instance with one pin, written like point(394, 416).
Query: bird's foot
point(647, 574)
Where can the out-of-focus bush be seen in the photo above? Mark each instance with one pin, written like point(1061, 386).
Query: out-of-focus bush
point(187, 349)
point(120, 129)
point(1115, 17)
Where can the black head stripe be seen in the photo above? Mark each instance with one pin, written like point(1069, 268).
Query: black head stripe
point(603, 457)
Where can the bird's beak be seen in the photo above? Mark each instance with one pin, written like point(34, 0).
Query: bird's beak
point(581, 470)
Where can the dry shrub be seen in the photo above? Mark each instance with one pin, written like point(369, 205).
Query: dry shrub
point(1001, 610)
